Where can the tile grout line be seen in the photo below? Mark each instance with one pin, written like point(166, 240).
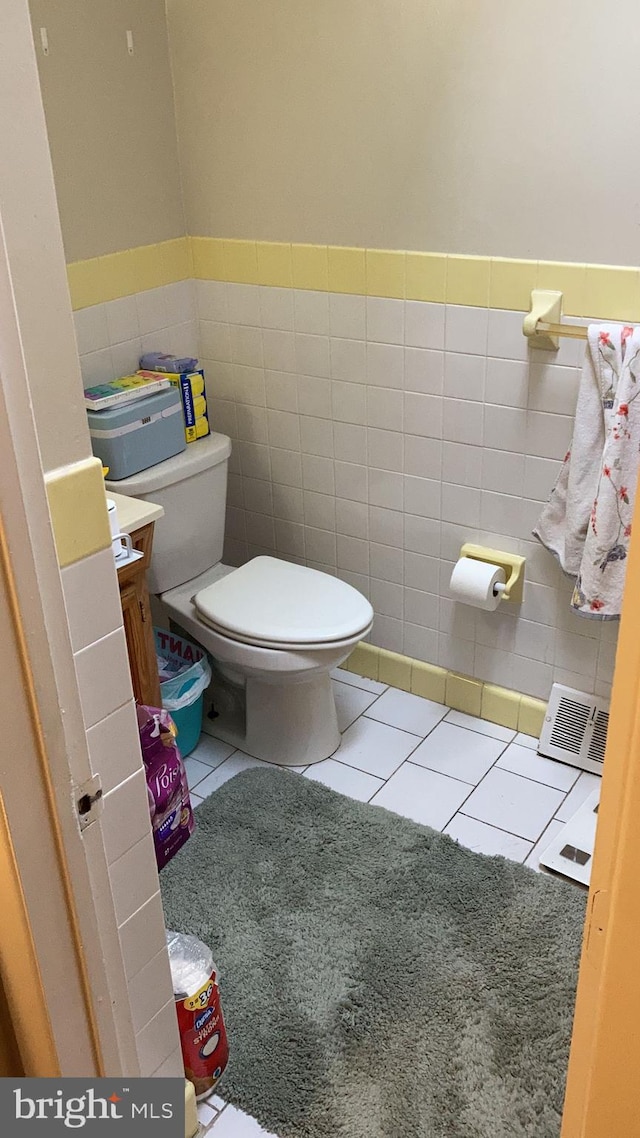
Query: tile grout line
point(407, 759)
point(530, 841)
point(493, 767)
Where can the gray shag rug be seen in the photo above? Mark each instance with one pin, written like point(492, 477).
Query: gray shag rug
point(378, 980)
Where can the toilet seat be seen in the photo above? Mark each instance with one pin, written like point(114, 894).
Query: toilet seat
point(276, 604)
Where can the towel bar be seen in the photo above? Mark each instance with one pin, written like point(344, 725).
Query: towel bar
point(573, 331)
point(542, 323)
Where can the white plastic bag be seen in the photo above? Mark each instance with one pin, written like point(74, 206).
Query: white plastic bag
point(192, 671)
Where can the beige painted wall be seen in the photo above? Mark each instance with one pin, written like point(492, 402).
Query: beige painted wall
point(111, 123)
point(494, 127)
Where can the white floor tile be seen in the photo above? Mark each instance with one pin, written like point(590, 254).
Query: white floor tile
point(234, 1123)
point(529, 741)
point(422, 795)
point(459, 753)
point(513, 803)
point(485, 839)
point(551, 832)
point(350, 703)
point(482, 726)
point(524, 761)
point(358, 681)
point(582, 789)
point(211, 751)
point(375, 747)
point(233, 765)
point(217, 1102)
point(195, 799)
point(346, 780)
point(206, 1114)
point(406, 711)
point(196, 771)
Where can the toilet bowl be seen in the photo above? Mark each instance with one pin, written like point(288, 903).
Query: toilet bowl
point(274, 629)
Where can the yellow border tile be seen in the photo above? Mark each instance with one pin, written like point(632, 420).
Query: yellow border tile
point(511, 283)
point(394, 669)
point(531, 716)
point(363, 661)
point(612, 293)
point(78, 509)
point(310, 267)
point(426, 277)
point(85, 285)
point(274, 264)
point(147, 267)
point(347, 269)
point(463, 693)
point(176, 260)
point(428, 681)
point(118, 275)
point(240, 261)
point(207, 255)
point(606, 292)
point(385, 273)
point(568, 279)
point(488, 701)
point(468, 280)
point(499, 705)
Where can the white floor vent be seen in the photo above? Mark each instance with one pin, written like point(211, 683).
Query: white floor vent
point(575, 728)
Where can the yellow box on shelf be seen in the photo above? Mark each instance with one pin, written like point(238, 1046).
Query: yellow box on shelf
point(194, 400)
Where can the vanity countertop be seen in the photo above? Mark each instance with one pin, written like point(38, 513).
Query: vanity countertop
point(133, 513)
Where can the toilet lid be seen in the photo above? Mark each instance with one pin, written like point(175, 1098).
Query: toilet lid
point(271, 600)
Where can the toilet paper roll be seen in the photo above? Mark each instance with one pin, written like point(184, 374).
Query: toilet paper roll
point(473, 582)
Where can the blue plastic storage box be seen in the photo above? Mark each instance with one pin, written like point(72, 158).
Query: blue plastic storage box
point(132, 438)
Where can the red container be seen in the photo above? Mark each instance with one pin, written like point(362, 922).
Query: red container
point(203, 1037)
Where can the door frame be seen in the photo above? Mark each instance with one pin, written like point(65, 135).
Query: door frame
point(602, 1094)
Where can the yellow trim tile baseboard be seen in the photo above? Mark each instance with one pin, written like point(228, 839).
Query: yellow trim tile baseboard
point(464, 693)
point(604, 292)
point(78, 509)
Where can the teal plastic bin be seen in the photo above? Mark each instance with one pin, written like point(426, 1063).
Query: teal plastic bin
point(188, 676)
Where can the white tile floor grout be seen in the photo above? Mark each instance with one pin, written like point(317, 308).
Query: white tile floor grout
point(420, 759)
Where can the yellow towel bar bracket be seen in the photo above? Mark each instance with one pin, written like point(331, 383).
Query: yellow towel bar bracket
point(546, 308)
point(512, 564)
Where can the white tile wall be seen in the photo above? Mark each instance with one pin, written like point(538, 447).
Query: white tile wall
point(111, 337)
point(365, 427)
point(95, 621)
point(354, 393)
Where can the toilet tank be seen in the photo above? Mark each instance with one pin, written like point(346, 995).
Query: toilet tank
point(192, 489)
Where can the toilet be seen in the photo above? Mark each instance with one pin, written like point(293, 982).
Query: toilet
point(273, 628)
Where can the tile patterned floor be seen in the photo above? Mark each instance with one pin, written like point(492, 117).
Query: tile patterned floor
point(479, 782)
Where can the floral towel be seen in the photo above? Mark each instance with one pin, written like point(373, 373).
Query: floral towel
point(587, 521)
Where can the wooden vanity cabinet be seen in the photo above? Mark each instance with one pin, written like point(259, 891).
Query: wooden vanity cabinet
point(138, 624)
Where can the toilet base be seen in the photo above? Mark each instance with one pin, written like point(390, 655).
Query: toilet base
point(292, 723)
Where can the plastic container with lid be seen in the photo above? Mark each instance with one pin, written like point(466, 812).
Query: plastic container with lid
point(138, 435)
point(203, 1038)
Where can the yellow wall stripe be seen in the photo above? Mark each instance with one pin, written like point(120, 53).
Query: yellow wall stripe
point(130, 271)
point(604, 292)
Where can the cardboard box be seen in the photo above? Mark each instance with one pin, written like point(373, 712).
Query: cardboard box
point(194, 400)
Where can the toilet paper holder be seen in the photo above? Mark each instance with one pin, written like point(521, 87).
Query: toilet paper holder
point(512, 564)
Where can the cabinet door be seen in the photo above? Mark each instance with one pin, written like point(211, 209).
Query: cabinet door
point(139, 633)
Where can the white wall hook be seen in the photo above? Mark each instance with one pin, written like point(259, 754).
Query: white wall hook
point(546, 308)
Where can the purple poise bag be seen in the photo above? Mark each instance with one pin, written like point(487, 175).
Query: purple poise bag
point(172, 818)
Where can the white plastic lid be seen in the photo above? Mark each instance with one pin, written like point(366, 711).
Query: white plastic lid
point(196, 457)
point(275, 601)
